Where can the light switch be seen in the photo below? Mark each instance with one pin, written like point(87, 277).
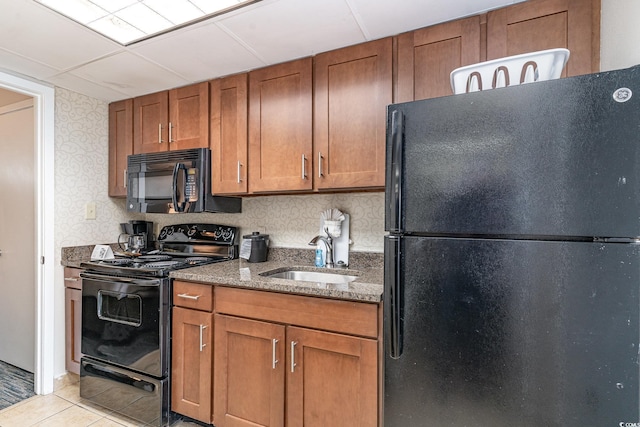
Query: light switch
point(90, 210)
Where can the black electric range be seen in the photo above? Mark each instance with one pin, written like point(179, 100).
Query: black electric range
point(179, 246)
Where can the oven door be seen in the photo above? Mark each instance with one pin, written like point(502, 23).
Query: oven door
point(125, 321)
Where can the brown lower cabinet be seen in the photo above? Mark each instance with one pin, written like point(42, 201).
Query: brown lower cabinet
point(73, 318)
point(277, 359)
point(331, 379)
point(192, 350)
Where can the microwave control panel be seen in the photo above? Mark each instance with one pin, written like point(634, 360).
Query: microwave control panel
point(192, 185)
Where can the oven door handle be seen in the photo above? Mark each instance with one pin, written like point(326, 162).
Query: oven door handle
point(111, 279)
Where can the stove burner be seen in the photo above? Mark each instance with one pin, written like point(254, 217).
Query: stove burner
point(195, 260)
point(152, 258)
point(161, 264)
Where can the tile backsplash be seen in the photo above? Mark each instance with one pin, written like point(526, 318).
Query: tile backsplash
point(291, 221)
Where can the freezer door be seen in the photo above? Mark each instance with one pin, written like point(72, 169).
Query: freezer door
point(554, 158)
point(515, 333)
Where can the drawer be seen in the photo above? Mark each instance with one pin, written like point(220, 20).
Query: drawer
point(348, 317)
point(72, 278)
point(198, 296)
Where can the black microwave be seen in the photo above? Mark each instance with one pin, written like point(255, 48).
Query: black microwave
point(174, 182)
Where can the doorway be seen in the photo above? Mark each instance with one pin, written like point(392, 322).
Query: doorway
point(43, 263)
point(17, 230)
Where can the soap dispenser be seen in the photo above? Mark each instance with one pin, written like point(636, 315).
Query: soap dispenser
point(319, 262)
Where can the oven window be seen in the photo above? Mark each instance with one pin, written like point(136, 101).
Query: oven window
point(120, 308)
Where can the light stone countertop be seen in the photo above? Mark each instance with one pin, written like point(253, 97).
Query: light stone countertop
point(367, 287)
point(240, 273)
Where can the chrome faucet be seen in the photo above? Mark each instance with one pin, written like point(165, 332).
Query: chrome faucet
point(328, 241)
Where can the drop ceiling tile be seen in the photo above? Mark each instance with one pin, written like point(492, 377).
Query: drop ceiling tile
point(18, 64)
point(381, 19)
point(36, 32)
point(286, 29)
point(85, 87)
point(200, 53)
point(128, 73)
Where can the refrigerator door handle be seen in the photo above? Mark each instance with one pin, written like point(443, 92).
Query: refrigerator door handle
point(394, 297)
point(397, 156)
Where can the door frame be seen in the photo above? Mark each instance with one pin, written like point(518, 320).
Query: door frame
point(44, 105)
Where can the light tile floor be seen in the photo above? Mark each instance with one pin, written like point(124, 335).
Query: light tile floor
point(65, 408)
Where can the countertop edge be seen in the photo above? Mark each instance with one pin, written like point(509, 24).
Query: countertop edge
point(242, 274)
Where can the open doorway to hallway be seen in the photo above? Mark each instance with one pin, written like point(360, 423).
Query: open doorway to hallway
point(18, 162)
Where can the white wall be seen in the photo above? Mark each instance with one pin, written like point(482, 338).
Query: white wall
point(620, 34)
point(81, 171)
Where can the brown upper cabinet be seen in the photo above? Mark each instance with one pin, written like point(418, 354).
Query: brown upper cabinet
point(177, 119)
point(229, 107)
point(546, 24)
point(120, 145)
point(318, 124)
point(280, 127)
point(353, 86)
point(427, 56)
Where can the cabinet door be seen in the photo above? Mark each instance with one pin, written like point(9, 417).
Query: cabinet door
point(546, 24)
point(189, 117)
point(249, 373)
point(332, 380)
point(426, 57)
point(280, 127)
point(120, 145)
point(229, 108)
point(150, 123)
point(191, 363)
point(353, 86)
point(73, 323)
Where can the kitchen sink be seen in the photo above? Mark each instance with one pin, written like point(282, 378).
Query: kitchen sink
point(310, 276)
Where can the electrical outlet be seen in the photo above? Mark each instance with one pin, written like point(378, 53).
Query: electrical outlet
point(90, 210)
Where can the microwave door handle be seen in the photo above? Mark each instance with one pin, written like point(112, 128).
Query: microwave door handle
point(178, 206)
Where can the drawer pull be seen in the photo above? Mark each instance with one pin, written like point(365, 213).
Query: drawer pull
point(187, 296)
point(274, 361)
point(70, 279)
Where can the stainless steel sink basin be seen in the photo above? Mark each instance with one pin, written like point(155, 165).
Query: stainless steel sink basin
point(310, 276)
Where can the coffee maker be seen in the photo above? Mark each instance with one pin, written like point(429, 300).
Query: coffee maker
point(140, 236)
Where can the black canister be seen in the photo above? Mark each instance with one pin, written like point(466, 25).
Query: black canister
point(255, 247)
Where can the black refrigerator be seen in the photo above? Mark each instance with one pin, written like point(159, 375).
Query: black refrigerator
point(512, 259)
